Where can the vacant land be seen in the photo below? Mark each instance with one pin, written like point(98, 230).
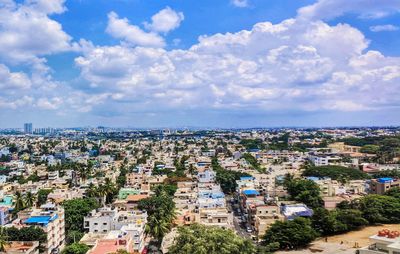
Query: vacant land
point(344, 243)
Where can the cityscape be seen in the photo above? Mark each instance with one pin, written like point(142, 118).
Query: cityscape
point(199, 127)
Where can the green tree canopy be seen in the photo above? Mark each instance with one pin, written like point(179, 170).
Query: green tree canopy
point(291, 234)
point(336, 173)
point(305, 191)
point(75, 248)
point(199, 239)
point(76, 210)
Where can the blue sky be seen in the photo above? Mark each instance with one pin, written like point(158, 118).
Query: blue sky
point(209, 63)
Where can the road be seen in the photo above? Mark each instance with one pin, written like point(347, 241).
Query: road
point(240, 227)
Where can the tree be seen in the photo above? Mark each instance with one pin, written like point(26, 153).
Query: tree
point(31, 233)
point(336, 172)
point(337, 221)
point(30, 199)
point(74, 236)
point(19, 202)
point(290, 234)
point(42, 196)
point(379, 208)
point(227, 179)
point(75, 211)
point(75, 248)
point(3, 239)
point(393, 192)
point(108, 190)
point(120, 251)
point(200, 239)
point(160, 210)
point(305, 191)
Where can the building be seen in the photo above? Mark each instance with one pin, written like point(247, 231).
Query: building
point(16, 247)
point(323, 159)
point(263, 216)
point(296, 210)
point(208, 176)
point(5, 215)
point(105, 219)
point(28, 128)
point(215, 217)
point(51, 219)
point(381, 185)
point(385, 242)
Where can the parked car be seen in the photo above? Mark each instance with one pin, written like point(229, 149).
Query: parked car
point(249, 230)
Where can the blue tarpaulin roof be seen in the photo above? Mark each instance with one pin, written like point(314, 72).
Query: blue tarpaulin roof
point(38, 220)
point(246, 178)
point(250, 192)
point(43, 220)
point(385, 179)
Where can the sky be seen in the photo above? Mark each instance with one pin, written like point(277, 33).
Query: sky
point(199, 63)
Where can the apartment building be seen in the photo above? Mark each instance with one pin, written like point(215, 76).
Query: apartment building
point(381, 185)
point(50, 218)
point(130, 224)
point(263, 216)
point(106, 219)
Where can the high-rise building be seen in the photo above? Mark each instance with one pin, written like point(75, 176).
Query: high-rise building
point(28, 128)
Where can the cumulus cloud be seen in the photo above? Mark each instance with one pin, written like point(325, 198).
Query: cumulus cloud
point(384, 28)
point(49, 104)
point(165, 21)
point(240, 3)
point(121, 29)
point(27, 33)
point(13, 81)
point(329, 9)
point(291, 65)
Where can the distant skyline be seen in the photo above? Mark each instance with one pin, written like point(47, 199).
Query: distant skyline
point(216, 63)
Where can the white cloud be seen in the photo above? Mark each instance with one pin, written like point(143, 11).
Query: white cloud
point(13, 81)
point(384, 28)
point(295, 64)
point(49, 104)
point(27, 33)
point(165, 21)
point(121, 29)
point(329, 9)
point(240, 3)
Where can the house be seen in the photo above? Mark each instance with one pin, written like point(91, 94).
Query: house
point(385, 242)
point(17, 247)
point(261, 217)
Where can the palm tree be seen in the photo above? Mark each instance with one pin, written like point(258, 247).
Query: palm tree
point(19, 202)
point(109, 190)
point(92, 191)
point(30, 199)
point(157, 228)
point(3, 239)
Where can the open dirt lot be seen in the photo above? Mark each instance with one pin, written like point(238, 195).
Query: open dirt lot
point(345, 243)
